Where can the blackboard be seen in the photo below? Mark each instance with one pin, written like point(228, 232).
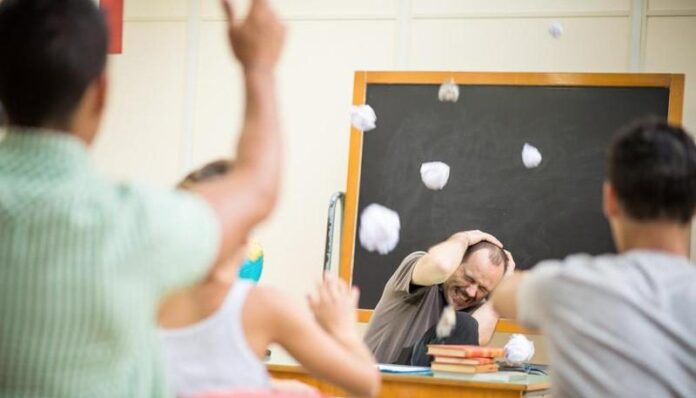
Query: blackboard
point(545, 212)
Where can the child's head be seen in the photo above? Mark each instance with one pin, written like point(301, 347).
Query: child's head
point(209, 171)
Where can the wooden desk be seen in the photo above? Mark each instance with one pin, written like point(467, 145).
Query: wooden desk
point(409, 386)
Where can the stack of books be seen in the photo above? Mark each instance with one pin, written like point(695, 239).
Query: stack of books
point(464, 358)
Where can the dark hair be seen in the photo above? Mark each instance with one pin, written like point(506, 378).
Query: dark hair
point(495, 253)
point(652, 167)
point(209, 171)
point(51, 50)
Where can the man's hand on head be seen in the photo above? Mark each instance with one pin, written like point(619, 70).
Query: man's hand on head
point(443, 259)
point(470, 238)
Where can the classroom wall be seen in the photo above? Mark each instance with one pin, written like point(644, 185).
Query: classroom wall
point(175, 92)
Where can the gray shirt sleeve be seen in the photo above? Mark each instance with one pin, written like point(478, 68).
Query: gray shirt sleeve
point(536, 292)
point(400, 282)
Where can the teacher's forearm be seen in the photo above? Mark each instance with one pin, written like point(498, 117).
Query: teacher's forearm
point(487, 318)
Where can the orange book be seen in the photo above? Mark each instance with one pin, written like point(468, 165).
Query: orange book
point(448, 367)
point(463, 361)
point(464, 351)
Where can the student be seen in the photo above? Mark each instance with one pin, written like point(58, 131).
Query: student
point(252, 267)
point(216, 332)
point(84, 261)
point(624, 325)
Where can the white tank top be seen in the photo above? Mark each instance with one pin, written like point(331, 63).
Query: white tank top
point(213, 354)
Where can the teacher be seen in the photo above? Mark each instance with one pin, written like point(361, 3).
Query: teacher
point(461, 272)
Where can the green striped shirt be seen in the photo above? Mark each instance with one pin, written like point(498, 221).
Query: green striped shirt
point(83, 264)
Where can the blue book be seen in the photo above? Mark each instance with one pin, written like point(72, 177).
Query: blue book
point(404, 369)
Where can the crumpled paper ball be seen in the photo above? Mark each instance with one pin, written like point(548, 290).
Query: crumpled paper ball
point(447, 322)
point(518, 350)
point(435, 174)
point(379, 229)
point(363, 117)
point(556, 29)
point(449, 91)
point(531, 157)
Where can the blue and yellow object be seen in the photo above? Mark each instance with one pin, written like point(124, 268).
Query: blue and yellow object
point(253, 263)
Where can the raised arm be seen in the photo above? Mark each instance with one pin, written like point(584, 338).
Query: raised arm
point(249, 193)
point(504, 298)
point(443, 259)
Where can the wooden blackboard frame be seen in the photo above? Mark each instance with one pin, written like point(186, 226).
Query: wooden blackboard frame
point(673, 82)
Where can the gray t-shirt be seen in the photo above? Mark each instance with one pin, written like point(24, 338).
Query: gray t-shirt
point(616, 325)
point(404, 313)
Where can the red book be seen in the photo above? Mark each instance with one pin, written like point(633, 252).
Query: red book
point(448, 367)
point(464, 361)
point(464, 351)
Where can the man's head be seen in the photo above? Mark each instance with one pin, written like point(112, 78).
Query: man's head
point(53, 56)
point(481, 270)
point(652, 177)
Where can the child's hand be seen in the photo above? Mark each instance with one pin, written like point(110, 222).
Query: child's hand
point(258, 40)
point(334, 305)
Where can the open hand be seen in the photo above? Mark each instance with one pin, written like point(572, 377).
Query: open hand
point(334, 305)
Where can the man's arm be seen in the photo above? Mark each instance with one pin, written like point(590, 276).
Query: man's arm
point(248, 194)
point(443, 259)
point(487, 319)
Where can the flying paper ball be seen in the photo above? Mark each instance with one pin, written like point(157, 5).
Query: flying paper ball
point(518, 349)
point(435, 174)
point(253, 263)
point(449, 91)
point(556, 29)
point(379, 229)
point(531, 157)
point(447, 322)
point(363, 117)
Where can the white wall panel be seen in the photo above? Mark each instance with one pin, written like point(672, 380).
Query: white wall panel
point(155, 9)
point(500, 44)
point(668, 50)
point(421, 7)
point(219, 98)
point(313, 8)
point(672, 5)
point(141, 134)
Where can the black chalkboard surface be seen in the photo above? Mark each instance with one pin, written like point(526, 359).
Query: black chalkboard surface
point(545, 212)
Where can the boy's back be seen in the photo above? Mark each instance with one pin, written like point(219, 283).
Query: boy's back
point(83, 264)
point(618, 325)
